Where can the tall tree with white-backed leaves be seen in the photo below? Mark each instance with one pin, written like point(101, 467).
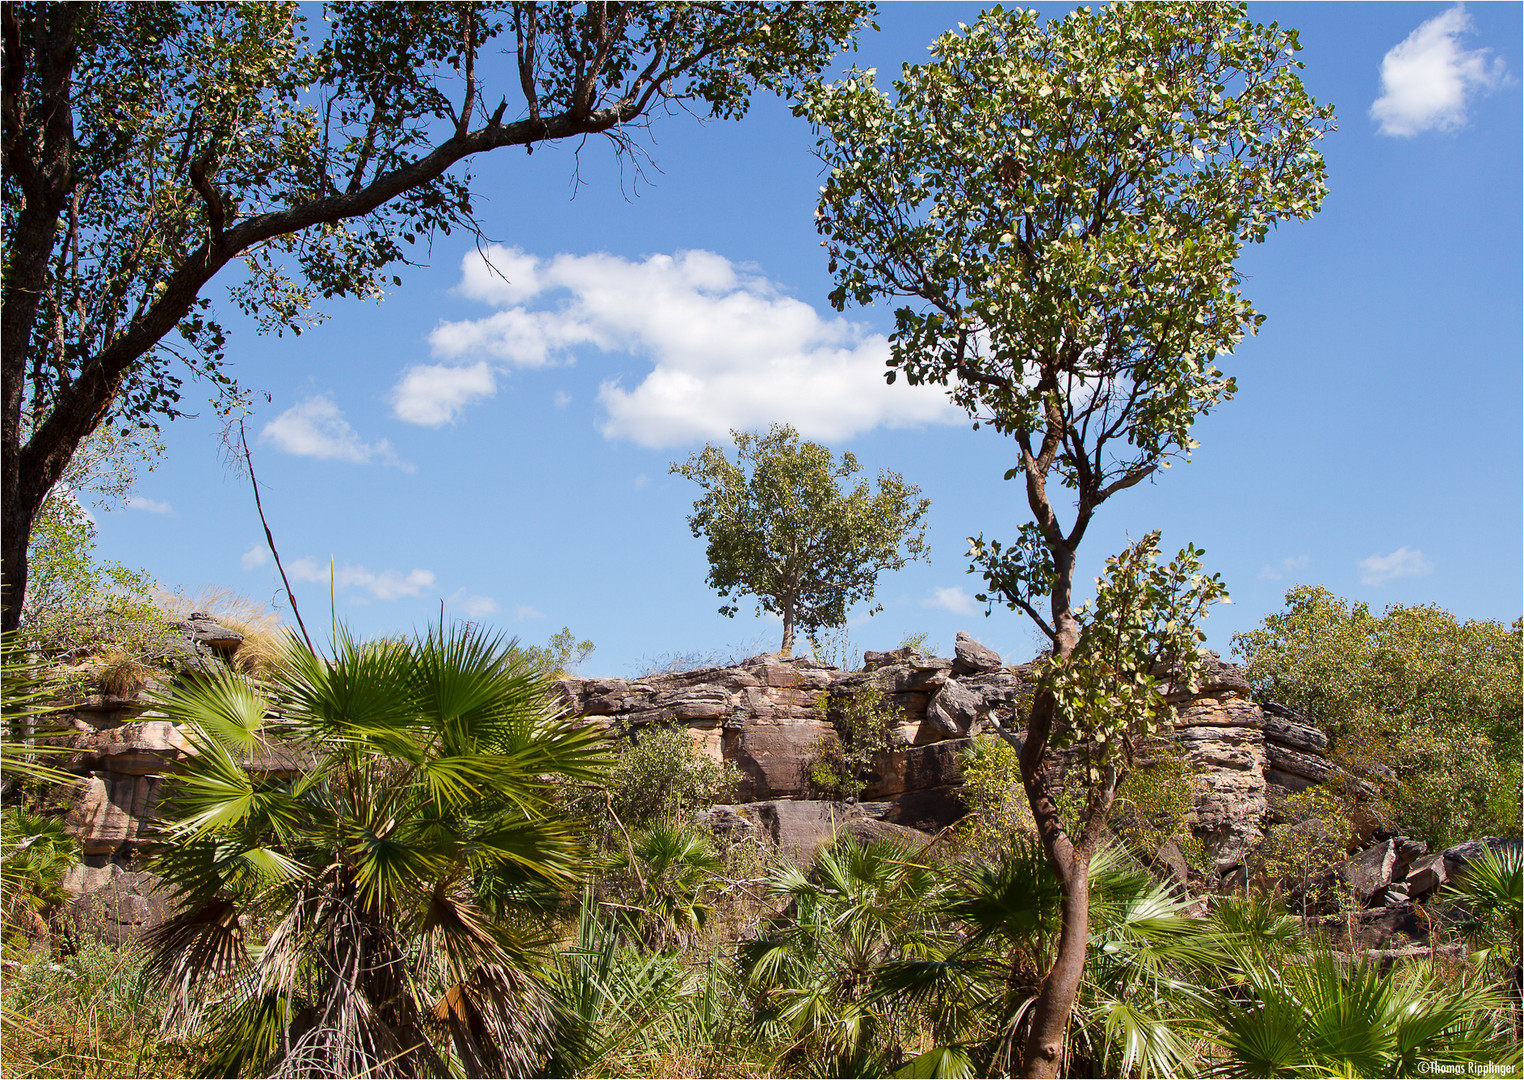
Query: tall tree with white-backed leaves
point(781, 528)
point(1063, 203)
point(151, 148)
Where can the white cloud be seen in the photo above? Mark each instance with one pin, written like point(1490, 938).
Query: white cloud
point(951, 599)
point(1404, 562)
point(1285, 568)
point(1426, 79)
point(255, 557)
point(152, 506)
point(316, 428)
point(562, 399)
point(524, 611)
point(728, 349)
point(387, 585)
point(475, 606)
point(432, 394)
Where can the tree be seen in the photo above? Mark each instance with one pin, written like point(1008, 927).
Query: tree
point(150, 148)
point(1063, 205)
point(781, 528)
point(398, 873)
point(1420, 704)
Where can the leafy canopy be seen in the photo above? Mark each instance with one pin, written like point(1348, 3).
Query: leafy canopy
point(150, 148)
point(1061, 204)
point(1424, 705)
point(1064, 202)
point(781, 527)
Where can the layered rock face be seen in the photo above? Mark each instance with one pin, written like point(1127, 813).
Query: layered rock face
point(122, 753)
point(771, 717)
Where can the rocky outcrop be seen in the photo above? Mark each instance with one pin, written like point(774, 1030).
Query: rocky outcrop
point(122, 751)
point(800, 827)
point(773, 716)
point(1221, 731)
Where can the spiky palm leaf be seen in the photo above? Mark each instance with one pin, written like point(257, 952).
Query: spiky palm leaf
point(816, 971)
point(1321, 1016)
point(392, 868)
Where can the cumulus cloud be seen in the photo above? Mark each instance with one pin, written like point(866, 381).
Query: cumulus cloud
point(255, 557)
point(1427, 79)
point(1404, 562)
point(951, 599)
point(476, 607)
point(387, 585)
point(1285, 568)
point(152, 506)
point(433, 394)
point(524, 611)
point(316, 428)
point(727, 348)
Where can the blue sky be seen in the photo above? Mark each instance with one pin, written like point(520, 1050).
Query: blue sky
point(502, 449)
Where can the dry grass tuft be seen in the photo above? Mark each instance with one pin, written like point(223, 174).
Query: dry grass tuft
point(119, 675)
point(265, 638)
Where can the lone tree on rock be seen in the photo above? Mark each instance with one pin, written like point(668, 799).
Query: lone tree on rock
point(781, 528)
point(1064, 202)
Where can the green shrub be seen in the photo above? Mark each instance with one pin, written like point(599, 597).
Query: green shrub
point(1301, 855)
point(659, 775)
point(1155, 805)
point(997, 803)
point(866, 730)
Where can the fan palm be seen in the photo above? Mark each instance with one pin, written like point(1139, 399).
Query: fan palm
point(1143, 951)
point(815, 970)
point(669, 863)
point(397, 874)
point(1312, 1017)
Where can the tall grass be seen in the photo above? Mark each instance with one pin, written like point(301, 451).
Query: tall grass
point(90, 1015)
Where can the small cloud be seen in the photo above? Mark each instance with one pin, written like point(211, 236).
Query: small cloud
point(562, 399)
point(1285, 568)
point(524, 611)
point(475, 606)
point(642, 481)
point(316, 428)
point(255, 557)
point(1404, 562)
point(152, 506)
point(951, 599)
point(432, 394)
point(1426, 79)
point(387, 585)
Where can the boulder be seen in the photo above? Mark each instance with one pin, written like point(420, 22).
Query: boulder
point(953, 710)
point(201, 629)
point(970, 657)
point(1371, 870)
point(1293, 729)
point(121, 911)
point(800, 827)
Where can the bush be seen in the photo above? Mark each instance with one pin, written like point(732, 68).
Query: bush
point(997, 802)
point(1418, 703)
point(1300, 856)
point(1156, 804)
point(659, 775)
point(866, 731)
